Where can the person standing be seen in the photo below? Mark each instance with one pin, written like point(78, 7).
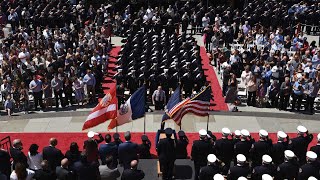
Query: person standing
point(277, 150)
point(225, 149)
point(144, 148)
point(245, 144)
point(107, 171)
point(209, 171)
point(5, 165)
point(34, 158)
point(62, 172)
point(159, 98)
point(78, 91)
point(252, 91)
point(56, 85)
point(265, 168)
point(298, 89)
point(241, 169)
point(166, 149)
point(289, 168)
point(260, 148)
point(285, 90)
point(311, 168)
point(316, 148)
point(120, 94)
point(127, 151)
point(90, 81)
point(108, 149)
point(52, 154)
point(181, 147)
point(36, 87)
point(16, 153)
point(133, 173)
point(45, 173)
point(312, 89)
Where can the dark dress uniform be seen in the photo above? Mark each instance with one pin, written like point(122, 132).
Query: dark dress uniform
point(287, 170)
point(316, 149)
point(181, 149)
point(277, 151)
point(207, 172)
point(299, 146)
point(200, 150)
point(259, 149)
point(237, 171)
point(166, 152)
point(225, 152)
point(309, 169)
point(258, 171)
point(144, 148)
point(243, 147)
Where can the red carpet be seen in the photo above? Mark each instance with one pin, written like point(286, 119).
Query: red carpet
point(108, 81)
point(219, 104)
point(64, 139)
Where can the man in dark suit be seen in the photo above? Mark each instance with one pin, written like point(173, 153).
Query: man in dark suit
point(84, 169)
point(133, 173)
point(167, 154)
point(127, 151)
point(108, 149)
point(16, 153)
point(45, 173)
point(107, 171)
point(52, 154)
point(5, 165)
point(62, 172)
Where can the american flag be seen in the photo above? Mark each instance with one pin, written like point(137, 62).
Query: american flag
point(198, 104)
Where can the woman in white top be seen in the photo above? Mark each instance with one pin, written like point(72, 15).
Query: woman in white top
point(21, 173)
point(246, 76)
point(34, 158)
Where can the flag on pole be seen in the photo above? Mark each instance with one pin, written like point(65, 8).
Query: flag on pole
point(198, 105)
point(132, 109)
point(173, 101)
point(106, 109)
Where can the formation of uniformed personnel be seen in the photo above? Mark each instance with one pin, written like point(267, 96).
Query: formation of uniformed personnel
point(213, 167)
point(316, 148)
point(245, 144)
point(181, 147)
point(144, 148)
point(299, 145)
point(237, 136)
point(240, 169)
point(261, 147)
point(200, 150)
point(266, 168)
point(167, 155)
point(289, 168)
point(278, 148)
point(225, 149)
point(311, 168)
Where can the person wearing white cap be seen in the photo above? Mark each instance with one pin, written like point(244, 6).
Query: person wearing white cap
point(266, 177)
point(240, 169)
point(218, 177)
point(316, 148)
point(261, 147)
point(245, 144)
point(242, 178)
point(312, 178)
point(278, 148)
point(207, 172)
point(237, 136)
point(199, 152)
point(92, 144)
point(311, 168)
point(289, 168)
point(225, 149)
point(266, 168)
point(299, 145)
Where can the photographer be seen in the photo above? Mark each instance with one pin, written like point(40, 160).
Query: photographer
point(298, 89)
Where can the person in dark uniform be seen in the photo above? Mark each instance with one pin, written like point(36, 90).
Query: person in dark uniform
point(266, 168)
point(277, 150)
point(200, 150)
point(120, 94)
point(289, 168)
point(144, 148)
point(5, 165)
point(260, 148)
point(213, 168)
point(245, 144)
point(299, 145)
point(181, 148)
point(237, 136)
point(167, 155)
point(241, 169)
point(316, 148)
point(225, 149)
point(311, 168)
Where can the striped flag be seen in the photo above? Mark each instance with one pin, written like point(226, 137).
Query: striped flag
point(198, 105)
point(106, 109)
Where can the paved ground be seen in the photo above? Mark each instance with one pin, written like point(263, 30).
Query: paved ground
point(253, 119)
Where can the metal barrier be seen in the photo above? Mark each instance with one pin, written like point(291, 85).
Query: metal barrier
point(6, 143)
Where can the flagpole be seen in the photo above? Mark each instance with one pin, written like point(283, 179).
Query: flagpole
point(144, 124)
point(116, 125)
point(208, 122)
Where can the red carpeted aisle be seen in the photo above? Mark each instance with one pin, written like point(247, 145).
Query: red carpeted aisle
point(108, 81)
point(219, 104)
point(64, 139)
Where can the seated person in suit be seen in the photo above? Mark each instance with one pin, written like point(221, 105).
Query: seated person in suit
point(107, 172)
point(63, 172)
point(133, 173)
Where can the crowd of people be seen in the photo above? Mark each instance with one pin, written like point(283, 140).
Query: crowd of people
point(234, 156)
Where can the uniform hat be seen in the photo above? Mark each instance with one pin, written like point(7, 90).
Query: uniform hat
point(267, 159)
point(245, 132)
point(90, 134)
point(116, 136)
point(312, 178)
point(237, 132)
point(282, 134)
point(211, 158)
point(318, 137)
point(181, 133)
point(218, 177)
point(242, 178)
point(168, 131)
point(302, 129)
point(144, 137)
point(289, 154)
point(311, 155)
point(241, 158)
point(226, 131)
point(202, 132)
point(266, 177)
point(263, 133)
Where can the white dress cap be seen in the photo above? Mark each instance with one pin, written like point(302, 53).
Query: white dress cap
point(302, 129)
point(90, 134)
point(211, 158)
point(226, 131)
point(218, 177)
point(289, 154)
point(312, 155)
point(263, 133)
point(266, 177)
point(266, 158)
point(281, 134)
point(241, 158)
point(237, 132)
point(245, 132)
point(202, 132)
point(242, 178)
point(312, 178)
point(318, 137)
